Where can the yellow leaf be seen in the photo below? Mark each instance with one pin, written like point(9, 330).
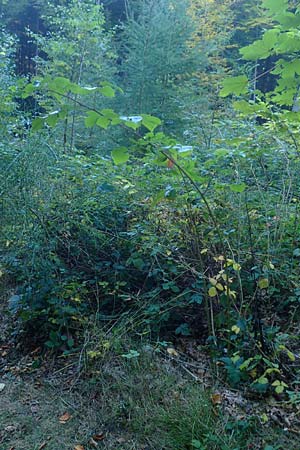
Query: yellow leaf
point(291, 355)
point(263, 283)
point(204, 251)
point(213, 281)
point(172, 351)
point(236, 266)
point(232, 294)
point(216, 398)
point(235, 329)
point(78, 447)
point(212, 292)
point(220, 287)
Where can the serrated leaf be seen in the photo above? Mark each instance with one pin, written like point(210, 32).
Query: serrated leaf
point(261, 48)
point(120, 155)
point(234, 85)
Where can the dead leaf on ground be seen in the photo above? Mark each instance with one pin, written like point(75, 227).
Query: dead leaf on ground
point(10, 428)
point(172, 351)
point(216, 398)
point(98, 437)
point(78, 447)
point(65, 417)
point(2, 387)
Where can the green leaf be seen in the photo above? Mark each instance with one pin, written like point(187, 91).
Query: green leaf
point(183, 329)
point(111, 115)
point(263, 283)
point(120, 155)
point(28, 91)
point(197, 444)
point(234, 85)
point(91, 119)
point(238, 187)
point(60, 84)
point(107, 91)
point(103, 122)
point(212, 292)
point(279, 389)
point(150, 122)
point(37, 124)
point(131, 354)
point(262, 380)
point(80, 90)
point(249, 108)
point(291, 355)
point(52, 118)
point(261, 48)
point(70, 342)
point(274, 5)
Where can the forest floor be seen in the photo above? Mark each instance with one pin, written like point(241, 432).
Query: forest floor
point(168, 400)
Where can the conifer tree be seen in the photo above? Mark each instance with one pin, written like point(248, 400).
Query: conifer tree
point(156, 58)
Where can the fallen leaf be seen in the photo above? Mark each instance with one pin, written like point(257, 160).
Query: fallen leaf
point(10, 428)
point(2, 386)
point(78, 447)
point(98, 437)
point(43, 445)
point(172, 351)
point(216, 398)
point(65, 417)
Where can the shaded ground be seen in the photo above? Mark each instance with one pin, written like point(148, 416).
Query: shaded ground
point(166, 400)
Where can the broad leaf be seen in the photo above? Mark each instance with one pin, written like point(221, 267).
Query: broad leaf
point(234, 85)
point(120, 155)
point(150, 122)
